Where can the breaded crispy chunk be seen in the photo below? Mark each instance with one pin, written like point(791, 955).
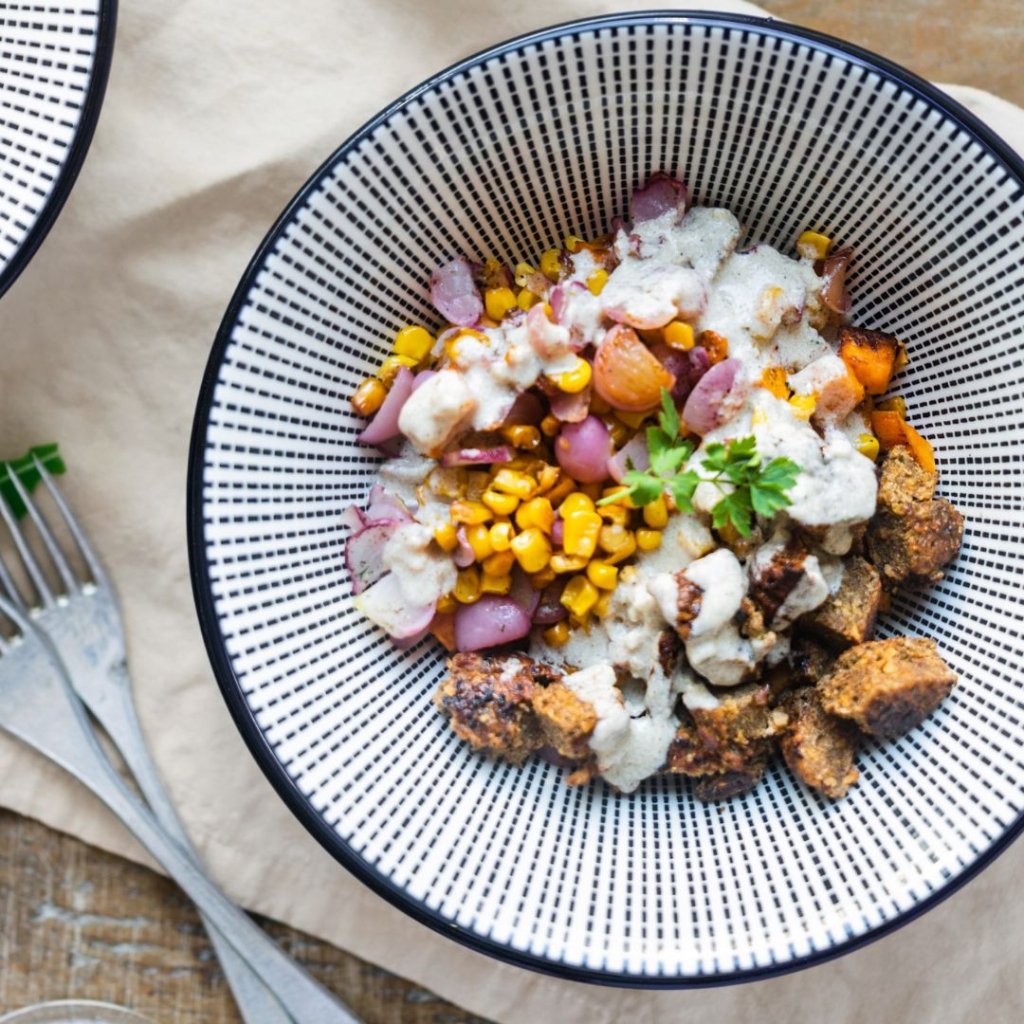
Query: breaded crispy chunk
point(903, 482)
point(912, 549)
point(566, 722)
point(669, 650)
point(809, 660)
point(818, 747)
point(687, 603)
point(732, 783)
point(776, 580)
point(489, 702)
point(848, 616)
point(887, 686)
point(726, 737)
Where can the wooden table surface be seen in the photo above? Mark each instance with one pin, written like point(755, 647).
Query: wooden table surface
point(80, 923)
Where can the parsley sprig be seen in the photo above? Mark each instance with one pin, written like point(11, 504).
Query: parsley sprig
point(748, 485)
point(25, 468)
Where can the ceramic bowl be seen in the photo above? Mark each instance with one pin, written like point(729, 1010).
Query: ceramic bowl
point(504, 154)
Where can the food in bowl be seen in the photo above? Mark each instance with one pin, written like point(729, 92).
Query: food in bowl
point(650, 465)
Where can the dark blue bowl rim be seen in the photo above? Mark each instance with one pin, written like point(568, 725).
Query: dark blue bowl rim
point(106, 30)
point(200, 569)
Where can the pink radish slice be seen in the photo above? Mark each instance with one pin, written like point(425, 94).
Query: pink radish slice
point(477, 456)
point(383, 505)
point(523, 592)
point(353, 518)
point(422, 377)
point(550, 609)
point(384, 426)
point(364, 552)
point(386, 605)
point(454, 293)
point(558, 531)
point(633, 451)
point(489, 622)
point(571, 408)
point(708, 405)
point(660, 194)
point(463, 556)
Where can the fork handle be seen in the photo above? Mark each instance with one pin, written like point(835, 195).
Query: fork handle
point(116, 713)
point(303, 997)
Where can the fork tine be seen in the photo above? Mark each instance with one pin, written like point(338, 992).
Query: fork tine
point(49, 541)
point(85, 548)
point(27, 558)
point(10, 588)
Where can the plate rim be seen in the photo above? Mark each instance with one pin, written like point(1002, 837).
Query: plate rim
point(209, 623)
point(99, 74)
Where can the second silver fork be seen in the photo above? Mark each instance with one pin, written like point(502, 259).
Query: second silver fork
point(83, 623)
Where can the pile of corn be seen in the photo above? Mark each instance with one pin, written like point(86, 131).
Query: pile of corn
point(508, 517)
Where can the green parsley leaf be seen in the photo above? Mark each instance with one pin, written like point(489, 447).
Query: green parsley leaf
point(668, 418)
point(643, 487)
point(734, 508)
point(682, 487)
point(25, 468)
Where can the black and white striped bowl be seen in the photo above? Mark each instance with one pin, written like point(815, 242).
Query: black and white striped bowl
point(502, 154)
point(54, 61)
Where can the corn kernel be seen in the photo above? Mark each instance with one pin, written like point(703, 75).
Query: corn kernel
point(565, 486)
point(632, 419)
point(813, 246)
point(551, 264)
point(575, 502)
point(579, 596)
point(716, 345)
point(470, 512)
point(617, 542)
point(867, 444)
point(575, 380)
point(369, 397)
point(467, 585)
point(648, 540)
point(549, 426)
point(491, 583)
point(521, 435)
point(446, 603)
point(389, 368)
point(573, 243)
point(602, 575)
point(604, 604)
point(500, 535)
point(562, 563)
point(597, 280)
point(515, 482)
point(415, 342)
point(500, 504)
point(535, 512)
point(448, 481)
point(656, 514)
point(498, 564)
point(478, 538)
point(525, 299)
point(498, 301)
point(547, 478)
point(803, 406)
point(678, 335)
point(897, 404)
point(557, 635)
point(522, 273)
point(614, 513)
point(544, 578)
point(628, 550)
point(446, 536)
point(580, 621)
point(532, 550)
point(581, 532)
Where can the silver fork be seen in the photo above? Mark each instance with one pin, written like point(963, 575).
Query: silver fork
point(83, 624)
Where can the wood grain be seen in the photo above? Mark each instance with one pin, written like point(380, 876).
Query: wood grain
point(81, 923)
point(77, 922)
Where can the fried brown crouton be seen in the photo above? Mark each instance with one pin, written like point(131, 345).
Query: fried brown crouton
point(903, 482)
point(912, 549)
point(669, 650)
point(725, 737)
point(566, 722)
point(809, 660)
point(848, 616)
point(818, 747)
point(489, 701)
point(775, 579)
point(732, 783)
point(887, 686)
point(687, 602)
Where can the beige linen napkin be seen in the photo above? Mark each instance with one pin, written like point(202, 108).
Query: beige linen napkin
point(216, 113)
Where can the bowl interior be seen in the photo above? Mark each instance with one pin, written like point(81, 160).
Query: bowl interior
point(502, 156)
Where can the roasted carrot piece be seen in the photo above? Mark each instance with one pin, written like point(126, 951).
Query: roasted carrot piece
point(921, 449)
point(870, 356)
point(773, 380)
point(442, 628)
point(888, 427)
point(716, 346)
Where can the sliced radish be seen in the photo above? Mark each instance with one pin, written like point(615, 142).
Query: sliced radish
point(477, 456)
point(364, 553)
point(386, 605)
point(384, 426)
point(489, 622)
point(454, 293)
point(635, 453)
